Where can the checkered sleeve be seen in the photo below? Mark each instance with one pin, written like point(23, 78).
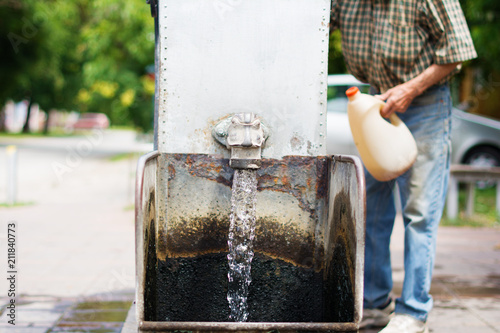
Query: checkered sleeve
point(334, 15)
point(447, 24)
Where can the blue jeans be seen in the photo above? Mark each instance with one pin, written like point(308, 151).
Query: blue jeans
point(422, 191)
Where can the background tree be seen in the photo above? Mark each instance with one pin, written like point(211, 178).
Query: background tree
point(482, 76)
point(40, 63)
point(83, 55)
point(16, 33)
point(336, 64)
point(483, 19)
point(92, 56)
point(117, 42)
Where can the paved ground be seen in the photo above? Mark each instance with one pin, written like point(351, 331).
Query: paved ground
point(466, 283)
point(75, 244)
point(74, 226)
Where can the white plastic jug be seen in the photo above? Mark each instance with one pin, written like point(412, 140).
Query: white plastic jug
point(387, 149)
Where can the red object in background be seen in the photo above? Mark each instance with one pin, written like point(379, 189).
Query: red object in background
point(91, 121)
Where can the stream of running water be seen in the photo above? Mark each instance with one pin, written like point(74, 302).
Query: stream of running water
point(241, 235)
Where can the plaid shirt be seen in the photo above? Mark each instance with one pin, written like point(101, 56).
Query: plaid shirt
point(388, 42)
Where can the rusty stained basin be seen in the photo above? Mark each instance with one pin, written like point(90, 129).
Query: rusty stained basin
point(307, 269)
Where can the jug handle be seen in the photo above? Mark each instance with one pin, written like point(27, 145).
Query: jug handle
point(393, 118)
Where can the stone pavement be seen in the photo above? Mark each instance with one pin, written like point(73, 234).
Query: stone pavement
point(75, 245)
point(466, 282)
point(74, 228)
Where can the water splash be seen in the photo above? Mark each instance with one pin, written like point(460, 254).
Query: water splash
point(240, 241)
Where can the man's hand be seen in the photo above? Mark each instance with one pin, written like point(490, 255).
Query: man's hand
point(398, 99)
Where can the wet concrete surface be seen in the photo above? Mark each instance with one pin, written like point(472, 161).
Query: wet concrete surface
point(94, 315)
point(41, 314)
point(466, 282)
point(463, 315)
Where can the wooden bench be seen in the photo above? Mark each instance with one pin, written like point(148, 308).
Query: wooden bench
point(470, 175)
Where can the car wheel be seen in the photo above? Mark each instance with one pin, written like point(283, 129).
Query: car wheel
point(484, 157)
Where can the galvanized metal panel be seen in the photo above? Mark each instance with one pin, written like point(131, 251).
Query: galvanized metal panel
point(346, 217)
point(291, 200)
point(145, 217)
point(309, 221)
point(221, 57)
point(150, 326)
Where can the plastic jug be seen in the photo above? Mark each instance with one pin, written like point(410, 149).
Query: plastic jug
point(387, 149)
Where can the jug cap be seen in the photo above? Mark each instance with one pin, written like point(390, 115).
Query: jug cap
point(351, 91)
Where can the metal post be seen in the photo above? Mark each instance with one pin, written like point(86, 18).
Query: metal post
point(452, 200)
point(11, 174)
point(498, 198)
point(469, 210)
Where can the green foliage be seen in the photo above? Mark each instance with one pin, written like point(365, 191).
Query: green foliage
point(336, 64)
point(91, 55)
point(117, 42)
point(83, 55)
point(40, 50)
point(483, 17)
point(16, 31)
point(485, 214)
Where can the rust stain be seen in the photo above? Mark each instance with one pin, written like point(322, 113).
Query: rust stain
point(296, 142)
point(287, 242)
point(343, 233)
point(306, 178)
point(171, 171)
point(204, 166)
point(205, 235)
point(197, 236)
point(301, 177)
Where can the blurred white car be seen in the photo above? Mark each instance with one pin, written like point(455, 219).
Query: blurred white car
point(475, 139)
point(339, 138)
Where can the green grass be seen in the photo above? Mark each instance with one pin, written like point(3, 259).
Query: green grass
point(60, 132)
point(124, 156)
point(485, 214)
point(52, 133)
point(123, 127)
point(17, 204)
point(129, 207)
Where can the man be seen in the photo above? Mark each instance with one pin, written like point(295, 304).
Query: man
point(407, 50)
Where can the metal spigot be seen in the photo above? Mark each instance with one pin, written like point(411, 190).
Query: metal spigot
point(244, 135)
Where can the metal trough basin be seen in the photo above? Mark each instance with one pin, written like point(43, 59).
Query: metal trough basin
point(307, 273)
